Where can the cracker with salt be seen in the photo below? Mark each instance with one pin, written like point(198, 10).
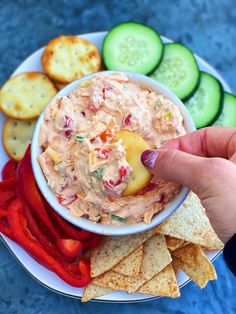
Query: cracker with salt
point(16, 137)
point(67, 58)
point(25, 95)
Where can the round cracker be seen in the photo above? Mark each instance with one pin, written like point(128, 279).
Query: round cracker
point(16, 137)
point(60, 85)
point(25, 95)
point(67, 58)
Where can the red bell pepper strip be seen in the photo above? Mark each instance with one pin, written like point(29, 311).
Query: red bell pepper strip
point(93, 242)
point(70, 247)
point(5, 196)
point(31, 195)
point(105, 135)
point(9, 170)
point(8, 184)
point(75, 268)
point(67, 228)
point(18, 225)
point(3, 228)
point(46, 244)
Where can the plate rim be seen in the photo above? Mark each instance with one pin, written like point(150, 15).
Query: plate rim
point(151, 298)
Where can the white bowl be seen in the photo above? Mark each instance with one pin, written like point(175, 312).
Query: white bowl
point(84, 223)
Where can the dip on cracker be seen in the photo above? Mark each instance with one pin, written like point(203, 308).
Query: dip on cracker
point(92, 140)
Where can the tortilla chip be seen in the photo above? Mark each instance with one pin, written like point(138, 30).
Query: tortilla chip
point(92, 291)
point(163, 284)
point(114, 249)
point(195, 264)
point(112, 280)
point(190, 223)
point(131, 264)
point(155, 258)
point(174, 243)
point(177, 264)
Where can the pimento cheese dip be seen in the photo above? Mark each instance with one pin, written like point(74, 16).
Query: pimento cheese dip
point(85, 169)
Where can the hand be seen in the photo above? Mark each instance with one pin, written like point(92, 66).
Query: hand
point(205, 161)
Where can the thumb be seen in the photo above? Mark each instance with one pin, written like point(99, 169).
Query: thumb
point(176, 166)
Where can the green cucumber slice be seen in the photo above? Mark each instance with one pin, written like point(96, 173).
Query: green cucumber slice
point(228, 114)
point(178, 70)
point(206, 104)
point(132, 47)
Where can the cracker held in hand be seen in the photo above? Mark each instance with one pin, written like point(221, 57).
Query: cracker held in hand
point(16, 137)
point(195, 264)
point(25, 95)
point(67, 58)
point(114, 249)
point(190, 223)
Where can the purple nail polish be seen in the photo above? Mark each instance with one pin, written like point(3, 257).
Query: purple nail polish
point(149, 157)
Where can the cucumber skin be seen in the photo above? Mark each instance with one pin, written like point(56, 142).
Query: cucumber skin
point(133, 22)
point(198, 82)
point(224, 94)
point(221, 101)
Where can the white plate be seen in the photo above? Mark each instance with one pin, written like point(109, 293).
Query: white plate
point(38, 272)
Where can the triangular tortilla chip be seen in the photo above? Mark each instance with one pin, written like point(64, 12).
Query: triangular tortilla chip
point(177, 264)
point(92, 291)
point(114, 249)
point(174, 243)
point(155, 258)
point(130, 265)
point(163, 284)
point(195, 264)
point(191, 224)
point(112, 280)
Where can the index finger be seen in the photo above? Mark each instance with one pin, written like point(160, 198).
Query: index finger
point(207, 142)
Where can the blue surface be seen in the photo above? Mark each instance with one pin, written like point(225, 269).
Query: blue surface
point(209, 29)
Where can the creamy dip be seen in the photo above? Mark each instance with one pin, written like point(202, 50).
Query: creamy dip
point(85, 169)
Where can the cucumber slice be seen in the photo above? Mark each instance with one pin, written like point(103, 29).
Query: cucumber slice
point(228, 114)
point(178, 70)
point(206, 104)
point(133, 47)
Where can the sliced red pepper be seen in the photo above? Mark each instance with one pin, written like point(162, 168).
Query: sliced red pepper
point(93, 242)
point(31, 195)
point(69, 229)
point(8, 184)
point(5, 196)
point(105, 135)
point(46, 243)
point(70, 247)
point(9, 170)
point(127, 119)
point(3, 227)
point(75, 268)
point(151, 186)
point(18, 225)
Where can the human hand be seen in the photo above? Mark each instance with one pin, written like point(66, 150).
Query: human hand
point(205, 161)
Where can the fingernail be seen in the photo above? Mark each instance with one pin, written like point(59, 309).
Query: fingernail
point(149, 157)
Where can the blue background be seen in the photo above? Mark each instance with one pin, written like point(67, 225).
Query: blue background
point(209, 29)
